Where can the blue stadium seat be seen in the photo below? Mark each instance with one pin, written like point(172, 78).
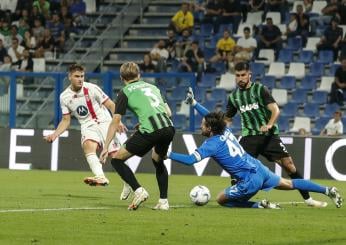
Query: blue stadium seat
point(209, 52)
point(290, 109)
point(316, 69)
point(198, 120)
point(319, 97)
point(325, 56)
point(201, 93)
point(283, 123)
point(210, 104)
point(288, 82)
point(220, 67)
point(219, 94)
point(208, 80)
point(319, 125)
point(308, 82)
point(184, 82)
point(332, 69)
point(311, 110)
point(206, 29)
point(285, 56)
point(180, 122)
point(294, 43)
point(225, 27)
point(299, 96)
point(268, 81)
point(330, 109)
point(257, 70)
point(178, 94)
point(306, 56)
point(169, 82)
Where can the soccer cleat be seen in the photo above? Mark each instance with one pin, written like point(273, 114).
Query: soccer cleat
point(266, 204)
point(189, 97)
point(126, 192)
point(96, 181)
point(334, 194)
point(162, 205)
point(316, 204)
point(140, 196)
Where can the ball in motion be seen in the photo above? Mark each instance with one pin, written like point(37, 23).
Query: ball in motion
point(200, 195)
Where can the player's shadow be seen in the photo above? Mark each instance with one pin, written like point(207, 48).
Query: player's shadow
point(72, 196)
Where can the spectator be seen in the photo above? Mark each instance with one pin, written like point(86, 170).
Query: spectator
point(257, 5)
point(57, 30)
point(147, 65)
point(25, 64)
point(6, 66)
point(331, 39)
point(245, 46)
point(338, 89)
point(213, 11)
point(270, 37)
point(16, 50)
point(170, 44)
point(29, 42)
point(303, 23)
point(308, 5)
point(3, 51)
point(224, 49)
point(159, 55)
point(38, 30)
point(46, 45)
point(43, 7)
point(78, 10)
point(35, 14)
point(182, 20)
point(318, 23)
point(334, 127)
point(231, 14)
point(276, 6)
point(5, 32)
point(183, 43)
point(292, 26)
point(15, 34)
point(303, 132)
point(193, 60)
point(342, 12)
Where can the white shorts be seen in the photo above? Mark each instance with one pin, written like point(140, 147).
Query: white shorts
point(98, 134)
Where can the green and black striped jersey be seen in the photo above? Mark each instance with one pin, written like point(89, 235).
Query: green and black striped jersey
point(146, 102)
point(252, 106)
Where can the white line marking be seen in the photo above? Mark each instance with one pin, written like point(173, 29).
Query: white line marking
point(50, 209)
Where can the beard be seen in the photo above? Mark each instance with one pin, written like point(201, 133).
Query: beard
point(242, 84)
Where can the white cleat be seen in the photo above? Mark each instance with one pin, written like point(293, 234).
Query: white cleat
point(316, 204)
point(126, 192)
point(270, 205)
point(96, 181)
point(334, 194)
point(140, 196)
point(162, 205)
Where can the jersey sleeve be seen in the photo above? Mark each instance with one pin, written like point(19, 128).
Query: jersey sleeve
point(121, 103)
point(207, 149)
point(267, 97)
point(64, 109)
point(100, 96)
point(231, 109)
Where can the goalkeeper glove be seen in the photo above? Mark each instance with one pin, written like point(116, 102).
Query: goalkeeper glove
point(190, 97)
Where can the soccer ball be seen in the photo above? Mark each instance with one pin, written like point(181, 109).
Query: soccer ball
point(200, 195)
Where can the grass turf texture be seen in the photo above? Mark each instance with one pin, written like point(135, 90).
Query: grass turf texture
point(184, 224)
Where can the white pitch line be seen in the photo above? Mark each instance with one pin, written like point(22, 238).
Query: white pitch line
point(50, 209)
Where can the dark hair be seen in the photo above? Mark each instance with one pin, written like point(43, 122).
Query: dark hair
point(76, 67)
point(246, 28)
point(215, 120)
point(240, 66)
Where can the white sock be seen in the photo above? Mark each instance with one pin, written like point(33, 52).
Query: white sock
point(161, 200)
point(95, 165)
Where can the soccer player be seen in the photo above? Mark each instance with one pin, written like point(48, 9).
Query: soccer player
point(89, 104)
point(250, 173)
point(155, 132)
point(260, 133)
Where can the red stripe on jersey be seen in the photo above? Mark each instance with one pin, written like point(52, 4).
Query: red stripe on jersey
point(89, 103)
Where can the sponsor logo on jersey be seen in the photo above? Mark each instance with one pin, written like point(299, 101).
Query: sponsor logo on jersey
point(245, 108)
point(82, 110)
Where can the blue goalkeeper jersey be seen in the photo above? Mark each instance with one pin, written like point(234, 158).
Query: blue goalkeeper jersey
point(229, 154)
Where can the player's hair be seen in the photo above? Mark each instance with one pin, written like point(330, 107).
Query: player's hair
point(76, 67)
point(240, 66)
point(216, 121)
point(129, 71)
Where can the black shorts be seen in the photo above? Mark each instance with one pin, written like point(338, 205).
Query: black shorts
point(140, 143)
point(269, 146)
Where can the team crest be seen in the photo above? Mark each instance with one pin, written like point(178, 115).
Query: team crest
point(82, 110)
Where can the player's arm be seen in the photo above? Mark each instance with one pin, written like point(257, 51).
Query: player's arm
point(183, 158)
point(190, 99)
point(207, 149)
point(110, 105)
point(272, 107)
point(63, 125)
point(231, 110)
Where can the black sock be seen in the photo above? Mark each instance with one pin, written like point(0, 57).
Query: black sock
point(125, 173)
point(162, 178)
point(297, 175)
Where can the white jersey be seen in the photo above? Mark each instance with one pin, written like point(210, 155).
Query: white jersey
point(86, 105)
point(333, 127)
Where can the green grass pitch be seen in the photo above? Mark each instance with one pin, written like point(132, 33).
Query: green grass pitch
point(43, 207)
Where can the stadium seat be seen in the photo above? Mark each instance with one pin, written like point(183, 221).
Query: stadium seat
point(169, 82)
point(319, 125)
point(266, 56)
point(206, 29)
point(268, 81)
point(330, 109)
point(201, 94)
point(311, 44)
point(276, 16)
point(294, 43)
point(311, 110)
point(254, 18)
point(257, 70)
point(332, 69)
point(219, 95)
point(209, 52)
point(227, 82)
point(184, 109)
point(317, 7)
point(180, 122)
point(326, 84)
point(296, 70)
point(178, 94)
point(39, 64)
point(90, 6)
point(220, 67)
point(224, 27)
point(325, 56)
point(290, 109)
point(283, 123)
point(280, 96)
point(306, 56)
point(276, 69)
point(308, 83)
point(301, 122)
point(210, 104)
point(319, 97)
point(208, 80)
point(299, 96)
point(285, 56)
point(316, 69)
point(288, 82)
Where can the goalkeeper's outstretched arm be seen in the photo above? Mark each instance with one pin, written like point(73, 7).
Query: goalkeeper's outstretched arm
point(190, 99)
